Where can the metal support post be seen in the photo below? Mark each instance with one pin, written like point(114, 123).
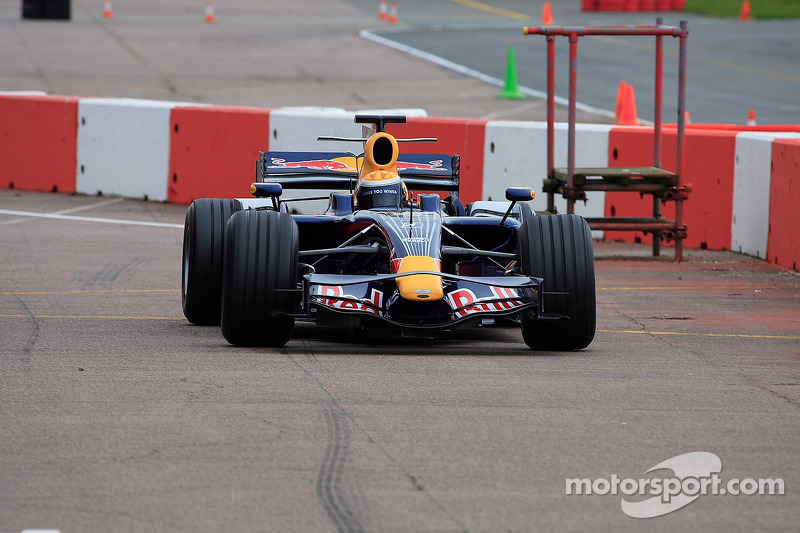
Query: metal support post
point(551, 118)
point(681, 130)
point(573, 82)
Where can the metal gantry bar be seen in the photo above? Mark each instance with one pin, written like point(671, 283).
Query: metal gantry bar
point(551, 112)
point(657, 138)
point(658, 97)
point(681, 130)
point(659, 31)
point(573, 88)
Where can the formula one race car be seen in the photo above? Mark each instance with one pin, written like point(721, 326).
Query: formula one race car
point(381, 261)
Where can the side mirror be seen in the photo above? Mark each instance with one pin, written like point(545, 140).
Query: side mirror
point(520, 194)
point(517, 194)
point(266, 190)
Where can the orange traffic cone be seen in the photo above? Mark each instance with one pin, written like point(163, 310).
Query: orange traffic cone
point(687, 118)
point(751, 118)
point(211, 18)
point(547, 15)
point(383, 10)
point(392, 13)
point(744, 14)
point(108, 12)
point(628, 109)
point(620, 97)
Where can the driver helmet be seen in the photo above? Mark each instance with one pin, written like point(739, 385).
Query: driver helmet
point(381, 189)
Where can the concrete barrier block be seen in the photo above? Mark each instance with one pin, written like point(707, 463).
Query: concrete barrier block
point(783, 245)
point(214, 150)
point(751, 192)
point(37, 142)
point(515, 154)
point(123, 147)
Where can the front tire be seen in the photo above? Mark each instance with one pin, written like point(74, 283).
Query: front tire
point(558, 248)
point(259, 278)
point(203, 240)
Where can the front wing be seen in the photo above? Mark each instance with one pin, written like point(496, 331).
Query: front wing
point(375, 298)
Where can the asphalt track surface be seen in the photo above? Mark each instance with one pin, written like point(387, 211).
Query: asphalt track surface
point(116, 414)
point(309, 53)
point(732, 67)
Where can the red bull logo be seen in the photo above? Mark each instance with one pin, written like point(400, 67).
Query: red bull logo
point(430, 165)
point(465, 302)
point(334, 296)
point(319, 164)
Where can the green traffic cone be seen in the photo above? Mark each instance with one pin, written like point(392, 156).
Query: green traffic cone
point(511, 90)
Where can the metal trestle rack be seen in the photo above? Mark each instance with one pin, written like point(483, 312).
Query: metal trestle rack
point(664, 186)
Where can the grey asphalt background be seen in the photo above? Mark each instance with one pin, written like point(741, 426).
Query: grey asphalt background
point(259, 53)
point(272, 54)
point(118, 415)
point(732, 67)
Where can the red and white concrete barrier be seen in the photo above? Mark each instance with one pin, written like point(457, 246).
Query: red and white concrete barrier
point(783, 243)
point(515, 153)
point(123, 147)
point(752, 191)
point(38, 142)
point(212, 151)
point(745, 180)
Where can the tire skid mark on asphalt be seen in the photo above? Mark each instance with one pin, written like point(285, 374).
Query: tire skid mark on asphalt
point(34, 329)
point(341, 505)
point(87, 291)
point(108, 275)
point(339, 412)
point(330, 489)
point(99, 317)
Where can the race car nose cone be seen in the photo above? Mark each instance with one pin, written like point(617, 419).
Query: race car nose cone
point(420, 287)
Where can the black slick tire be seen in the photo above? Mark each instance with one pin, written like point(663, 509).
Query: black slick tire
point(259, 278)
point(203, 251)
point(558, 248)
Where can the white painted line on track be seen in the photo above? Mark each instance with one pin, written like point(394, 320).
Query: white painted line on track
point(33, 214)
point(466, 71)
point(89, 206)
point(67, 211)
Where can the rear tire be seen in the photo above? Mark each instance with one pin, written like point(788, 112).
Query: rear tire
point(260, 267)
point(558, 248)
point(203, 249)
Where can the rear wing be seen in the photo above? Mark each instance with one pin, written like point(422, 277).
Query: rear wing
point(339, 170)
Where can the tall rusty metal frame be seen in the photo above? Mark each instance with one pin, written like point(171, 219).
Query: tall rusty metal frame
point(663, 185)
